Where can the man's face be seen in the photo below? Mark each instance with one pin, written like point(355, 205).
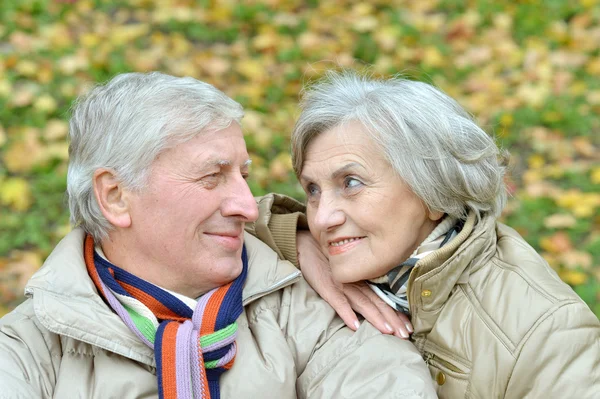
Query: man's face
point(188, 223)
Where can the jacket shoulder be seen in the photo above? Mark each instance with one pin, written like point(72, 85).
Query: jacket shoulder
point(29, 354)
point(516, 289)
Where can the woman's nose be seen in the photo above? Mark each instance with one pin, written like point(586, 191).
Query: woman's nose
point(328, 214)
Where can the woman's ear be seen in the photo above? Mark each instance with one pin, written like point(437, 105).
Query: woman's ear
point(434, 215)
point(112, 197)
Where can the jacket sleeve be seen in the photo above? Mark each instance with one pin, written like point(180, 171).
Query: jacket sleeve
point(26, 361)
point(334, 362)
point(560, 356)
point(279, 218)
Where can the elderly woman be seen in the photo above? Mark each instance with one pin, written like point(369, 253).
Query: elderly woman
point(403, 193)
point(158, 292)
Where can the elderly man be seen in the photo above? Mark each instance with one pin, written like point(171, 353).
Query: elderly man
point(159, 292)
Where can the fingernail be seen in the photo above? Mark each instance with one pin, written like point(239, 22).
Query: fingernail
point(389, 328)
point(356, 324)
point(409, 328)
point(403, 333)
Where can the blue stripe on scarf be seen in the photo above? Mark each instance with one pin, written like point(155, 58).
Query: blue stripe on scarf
point(231, 301)
point(169, 300)
point(158, 357)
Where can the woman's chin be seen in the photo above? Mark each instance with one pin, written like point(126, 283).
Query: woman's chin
point(345, 274)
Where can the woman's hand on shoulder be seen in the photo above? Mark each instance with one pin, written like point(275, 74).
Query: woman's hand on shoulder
point(346, 299)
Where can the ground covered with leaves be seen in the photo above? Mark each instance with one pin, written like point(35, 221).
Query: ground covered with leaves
point(529, 71)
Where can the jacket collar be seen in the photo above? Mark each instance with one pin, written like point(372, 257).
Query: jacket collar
point(66, 301)
point(435, 276)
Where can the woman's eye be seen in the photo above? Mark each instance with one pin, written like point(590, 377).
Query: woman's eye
point(350, 182)
point(312, 190)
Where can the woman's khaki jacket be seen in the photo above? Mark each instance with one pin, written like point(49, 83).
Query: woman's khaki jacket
point(491, 318)
point(64, 342)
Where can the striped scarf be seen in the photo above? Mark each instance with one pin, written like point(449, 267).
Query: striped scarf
point(192, 348)
point(392, 288)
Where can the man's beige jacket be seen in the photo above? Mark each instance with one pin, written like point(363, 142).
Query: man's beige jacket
point(491, 318)
point(65, 342)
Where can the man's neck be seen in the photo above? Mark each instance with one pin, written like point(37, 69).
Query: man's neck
point(121, 255)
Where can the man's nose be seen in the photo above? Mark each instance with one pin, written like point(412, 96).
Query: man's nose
point(241, 202)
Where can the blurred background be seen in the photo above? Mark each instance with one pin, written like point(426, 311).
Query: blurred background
point(528, 70)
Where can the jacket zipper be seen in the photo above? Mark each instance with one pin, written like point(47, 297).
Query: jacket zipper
point(289, 280)
point(430, 356)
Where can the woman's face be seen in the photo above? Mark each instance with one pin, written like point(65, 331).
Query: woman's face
point(363, 215)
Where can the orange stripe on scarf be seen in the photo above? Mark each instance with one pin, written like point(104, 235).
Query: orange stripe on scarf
point(203, 377)
point(169, 371)
point(88, 253)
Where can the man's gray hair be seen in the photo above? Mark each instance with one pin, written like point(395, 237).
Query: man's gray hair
point(433, 144)
point(126, 123)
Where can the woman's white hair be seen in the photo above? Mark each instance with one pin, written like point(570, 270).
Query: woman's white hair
point(126, 123)
point(433, 144)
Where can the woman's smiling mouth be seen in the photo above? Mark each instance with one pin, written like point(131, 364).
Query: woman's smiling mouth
point(341, 245)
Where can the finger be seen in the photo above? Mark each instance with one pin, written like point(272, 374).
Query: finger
point(342, 307)
point(404, 319)
point(362, 304)
point(390, 315)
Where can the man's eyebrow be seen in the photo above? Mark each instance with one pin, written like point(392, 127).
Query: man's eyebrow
point(225, 162)
point(337, 173)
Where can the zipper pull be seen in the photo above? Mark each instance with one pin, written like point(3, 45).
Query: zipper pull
point(428, 357)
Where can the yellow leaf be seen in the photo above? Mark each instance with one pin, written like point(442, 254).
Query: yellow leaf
point(5, 87)
point(573, 277)
point(23, 264)
point(265, 41)
point(45, 104)
point(433, 57)
point(252, 121)
point(56, 129)
point(569, 199)
point(58, 36)
point(22, 155)
point(588, 3)
point(556, 243)
point(15, 192)
point(387, 37)
point(26, 68)
point(507, 120)
point(596, 175)
point(532, 176)
point(593, 67)
point(90, 40)
point(365, 24)
point(574, 259)
point(2, 136)
point(251, 69)
point(536, 161)
point(124, 34)
point(559, 221)
point(23, 95)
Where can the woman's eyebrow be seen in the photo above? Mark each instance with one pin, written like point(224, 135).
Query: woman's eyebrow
point(336, 174)
point(345, 169)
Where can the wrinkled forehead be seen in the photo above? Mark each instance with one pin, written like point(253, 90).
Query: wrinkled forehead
point(215, 147)
point(349, 137)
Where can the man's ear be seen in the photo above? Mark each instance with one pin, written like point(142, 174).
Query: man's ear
point(112, 197)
